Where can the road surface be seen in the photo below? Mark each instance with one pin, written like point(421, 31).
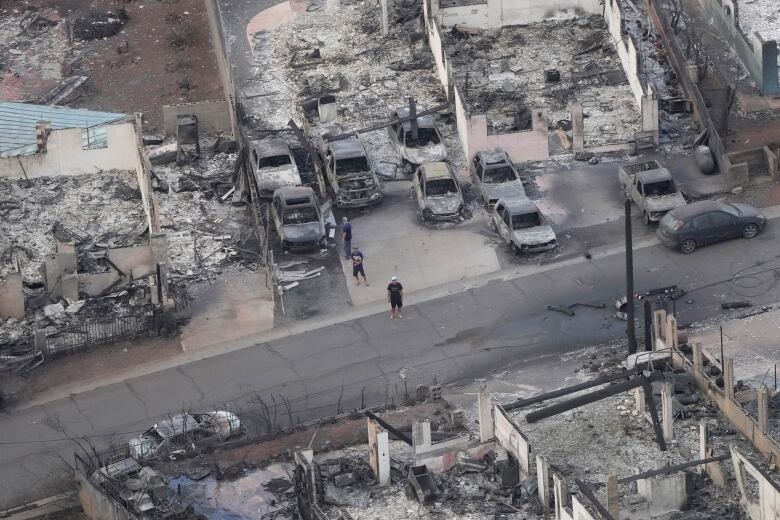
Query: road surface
point(366, 361)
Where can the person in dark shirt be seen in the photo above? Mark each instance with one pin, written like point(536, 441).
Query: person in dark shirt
point(357, 265)
point(395, 297)
point(346, 229)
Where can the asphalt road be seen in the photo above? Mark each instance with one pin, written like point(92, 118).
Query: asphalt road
point(367, 360)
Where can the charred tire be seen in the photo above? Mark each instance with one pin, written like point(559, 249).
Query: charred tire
point(513, 247)
point(749, 231)
point(688, 246)
point(426, 214)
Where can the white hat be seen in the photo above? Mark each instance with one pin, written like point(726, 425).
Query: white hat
point(393, 279)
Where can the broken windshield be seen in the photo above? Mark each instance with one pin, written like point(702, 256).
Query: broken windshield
point(425, 137)
point(440, 187)
point(300, 216)
point(526, 220)
point(274, 162)
point(659, 189)
point(351, 165)
point(498, 175)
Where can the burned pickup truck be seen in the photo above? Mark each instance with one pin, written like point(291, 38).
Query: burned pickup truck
point(652, 189)
point(425, 146)
point(349, 173)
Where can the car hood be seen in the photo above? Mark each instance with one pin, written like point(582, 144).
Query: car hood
point(424, 154)
point(665, 202)
point(746, 209)
point(505, 190)
point(444, 205)
point(303, 232)
point(272, 178)
point(535, 235)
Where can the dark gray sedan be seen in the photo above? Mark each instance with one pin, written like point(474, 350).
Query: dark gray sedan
point(706, 222)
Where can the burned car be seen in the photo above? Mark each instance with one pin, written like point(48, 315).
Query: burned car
point(273, 165)
point(426, 147)
point(349, 173)
point(183, 432)
point(652, 189)
point(521, 225)
point(437, 192)
point(495, 177)
point(297, 218)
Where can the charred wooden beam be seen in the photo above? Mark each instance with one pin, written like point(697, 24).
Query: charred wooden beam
point(593, 500)
point(672, 469)
point(393, 430)
point(520, 403)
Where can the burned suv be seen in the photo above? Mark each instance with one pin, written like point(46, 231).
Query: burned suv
point(522, 226)
point(349, 173)
point(297, 218)
point(437, 192)
point(495, 177)
point(183, 431)
point(273, 165)
point(426, 147)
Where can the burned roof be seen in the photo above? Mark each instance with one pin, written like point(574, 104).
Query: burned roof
point(291, 192)
point(271, 147)
point(494, 156)
point(422, 121)
point(347, 148)
point(437, 170)
point(656, 175)
point(518, 205)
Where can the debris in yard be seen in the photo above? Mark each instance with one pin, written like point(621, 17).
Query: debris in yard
point(735, 305)
point(561, 309)
point(99, 25)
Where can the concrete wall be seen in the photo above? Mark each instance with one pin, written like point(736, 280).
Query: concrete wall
point(65, 156)
point(664, 494)
point(12, 297)
point(759, 57)
point(223, 64)
point(530, 145)
point(500, 13)
point(213, 116)
point(765, 506)
point(143, 169)
point(439, 58)
point(97, 505)
point(509, 437)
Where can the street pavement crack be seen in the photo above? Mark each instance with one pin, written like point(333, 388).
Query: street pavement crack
point(194, 383)
point(138, 397)
point(291, 366)
point(81, 412)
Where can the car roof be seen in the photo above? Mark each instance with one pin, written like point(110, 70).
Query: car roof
point(347, 148)
point(518, 205)
point(271, 147)
point(696, 208)
point(425, 121)
point(289, 192)
point(175, 425)
point(661, 174)
point(436, 170)
point(496, 155)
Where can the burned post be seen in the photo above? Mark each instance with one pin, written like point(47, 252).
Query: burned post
point(630, 329)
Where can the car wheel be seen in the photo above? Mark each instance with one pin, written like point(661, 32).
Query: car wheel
point(688, 246)
point(513, 247)
point(750, 231)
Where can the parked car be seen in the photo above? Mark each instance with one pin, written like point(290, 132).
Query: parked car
point(652, 189)
point(428, 146)
point(521, 225)
point(437, 192)
point(706, 222)
point(182, 431)
point(495, 177)
point(297, 218)
point(273, 165)
point(350, 174)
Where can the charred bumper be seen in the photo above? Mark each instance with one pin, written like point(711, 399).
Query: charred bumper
point(538, 248)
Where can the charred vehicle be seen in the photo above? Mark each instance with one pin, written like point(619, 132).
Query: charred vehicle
point(426, 147)
point(180, 432)
point(273, 165)
point(522, 226)
point(495, 177)
point(437, 192)
point(652, 189)
point(297, 218)
point(349, 173)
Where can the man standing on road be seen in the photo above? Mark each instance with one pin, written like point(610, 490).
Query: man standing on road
point(395, 297)
point(357, 265)
point(346, 228)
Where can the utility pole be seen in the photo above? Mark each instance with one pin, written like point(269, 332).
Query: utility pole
point(630, 329)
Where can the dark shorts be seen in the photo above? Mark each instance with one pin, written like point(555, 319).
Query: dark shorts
point(396, 303)
point(358, 269)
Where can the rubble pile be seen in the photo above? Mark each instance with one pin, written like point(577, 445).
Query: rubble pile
point(340, 52)
point(95, 211)
point(546, 65)
point(99, 25)
point(33, 48)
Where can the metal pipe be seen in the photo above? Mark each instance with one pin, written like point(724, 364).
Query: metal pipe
point(672, 469)
point(521, 403)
